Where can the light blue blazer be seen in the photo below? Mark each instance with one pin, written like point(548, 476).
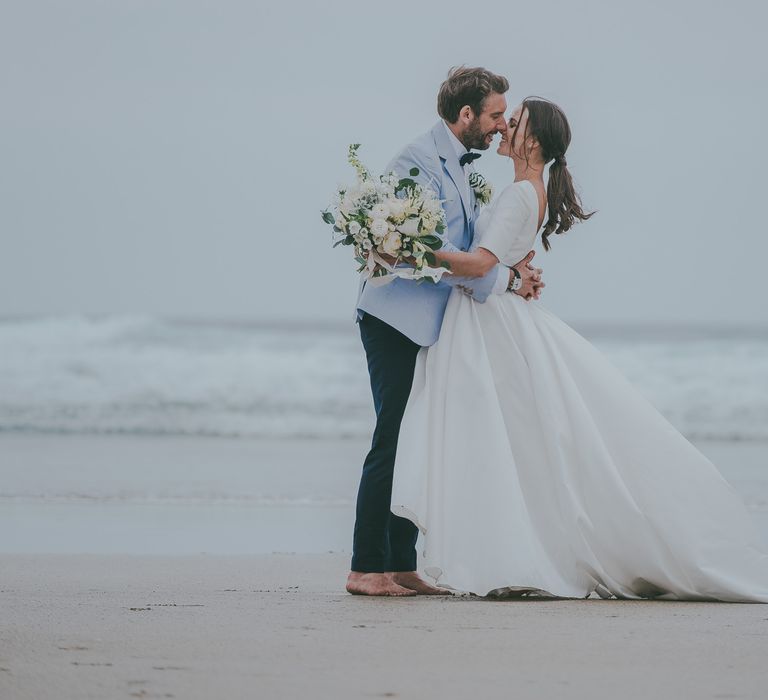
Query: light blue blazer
point(417, 310)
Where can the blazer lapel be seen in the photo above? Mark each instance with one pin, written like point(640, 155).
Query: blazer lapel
point(448, 156)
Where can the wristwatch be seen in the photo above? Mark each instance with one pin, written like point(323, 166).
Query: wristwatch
point(516, 283)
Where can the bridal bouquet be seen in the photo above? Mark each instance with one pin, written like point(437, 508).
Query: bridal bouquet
point(389, 216)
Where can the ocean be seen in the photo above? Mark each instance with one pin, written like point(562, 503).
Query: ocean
point(145, 375)
point(140, 434)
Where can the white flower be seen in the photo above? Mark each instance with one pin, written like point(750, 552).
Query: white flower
point(390, 180)
point(392, 243)
point(348, 203)
point(410, 227)
point(379, 228)
point(482, 188)
point(353, 227)
point(379, 211)
point(396, 208)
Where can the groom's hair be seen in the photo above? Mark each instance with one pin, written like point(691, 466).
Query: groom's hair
point(467, 86)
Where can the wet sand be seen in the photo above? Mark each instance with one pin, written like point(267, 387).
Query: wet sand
point(280, 626)
point(208, 568)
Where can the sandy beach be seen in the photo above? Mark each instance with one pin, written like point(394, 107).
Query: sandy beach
point(279, 626)
point(201, 568)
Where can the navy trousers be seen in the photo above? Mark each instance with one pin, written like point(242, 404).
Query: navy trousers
point(384, 541)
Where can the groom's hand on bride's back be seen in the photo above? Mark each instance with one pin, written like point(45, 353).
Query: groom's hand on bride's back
point(531, 278)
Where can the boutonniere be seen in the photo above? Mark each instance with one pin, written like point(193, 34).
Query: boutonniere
point(483, 189)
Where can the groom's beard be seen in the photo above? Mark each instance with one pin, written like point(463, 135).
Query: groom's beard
point(475, 138)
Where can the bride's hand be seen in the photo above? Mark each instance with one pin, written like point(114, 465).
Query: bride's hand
point(531, 278)
point(538, 284)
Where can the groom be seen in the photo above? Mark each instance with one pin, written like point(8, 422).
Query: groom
point(398, 318)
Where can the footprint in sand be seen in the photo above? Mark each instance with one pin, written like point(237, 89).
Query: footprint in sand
point(90, 663)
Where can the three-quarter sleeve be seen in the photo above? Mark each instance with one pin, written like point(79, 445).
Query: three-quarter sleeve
point(507, 234)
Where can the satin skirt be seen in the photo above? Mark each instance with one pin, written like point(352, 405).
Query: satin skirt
point(531, 465)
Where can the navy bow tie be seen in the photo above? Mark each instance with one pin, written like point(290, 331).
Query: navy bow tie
point(468, 158)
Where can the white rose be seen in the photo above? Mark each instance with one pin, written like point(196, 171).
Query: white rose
point(410, 227)
point(379, 229)
point(392, 243)
point(353, 227)
point(348, 203)
point(396, 208)
point(379, 211)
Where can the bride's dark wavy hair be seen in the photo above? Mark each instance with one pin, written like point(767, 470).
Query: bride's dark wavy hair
point(548, 125)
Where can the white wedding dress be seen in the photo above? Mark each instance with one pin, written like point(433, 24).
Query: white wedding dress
point(531, 465)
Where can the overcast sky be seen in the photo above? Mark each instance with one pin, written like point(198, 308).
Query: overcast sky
point(172, 156)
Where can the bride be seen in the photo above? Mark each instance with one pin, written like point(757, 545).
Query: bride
point(528, 462)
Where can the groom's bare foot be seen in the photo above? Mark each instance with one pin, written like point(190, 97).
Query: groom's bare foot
point(411, 580)
point(359, 583)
